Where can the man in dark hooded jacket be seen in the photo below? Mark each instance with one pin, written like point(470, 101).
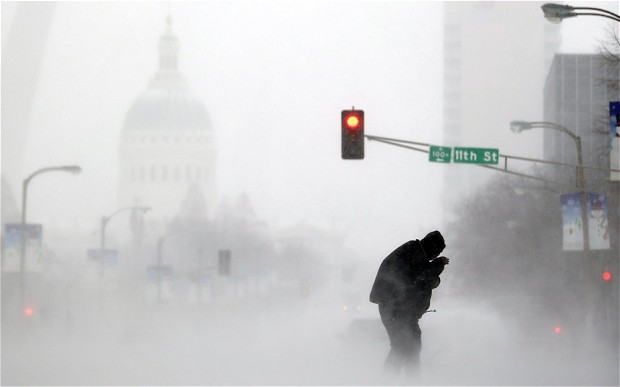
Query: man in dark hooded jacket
point(402, 288)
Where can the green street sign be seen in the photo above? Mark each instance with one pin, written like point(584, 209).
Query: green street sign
point(439, 154)
point(476, 155)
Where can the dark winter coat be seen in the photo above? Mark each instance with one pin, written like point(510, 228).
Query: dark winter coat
point(406, 278)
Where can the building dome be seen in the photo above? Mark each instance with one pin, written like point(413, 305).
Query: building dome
point(160, 109)
point(167, 104)
point(167, 146)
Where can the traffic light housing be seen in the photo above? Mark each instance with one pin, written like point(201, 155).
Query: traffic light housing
point(352, 123)
point(607, 283)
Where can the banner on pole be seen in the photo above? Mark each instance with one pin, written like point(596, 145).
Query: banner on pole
point(108, 257)
point(572, 225)
point(12, 247)
point(598, 224)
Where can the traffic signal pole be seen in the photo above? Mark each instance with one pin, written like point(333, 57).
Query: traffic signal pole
point(407, 144)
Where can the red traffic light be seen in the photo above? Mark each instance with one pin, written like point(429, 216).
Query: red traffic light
point(606, 276)
point(28, 311)
point(352, 121)
point(557, 329)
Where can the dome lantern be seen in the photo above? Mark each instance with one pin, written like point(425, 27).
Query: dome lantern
point(168, 49)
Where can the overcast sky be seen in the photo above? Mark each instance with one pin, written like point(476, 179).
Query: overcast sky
point(274, 77)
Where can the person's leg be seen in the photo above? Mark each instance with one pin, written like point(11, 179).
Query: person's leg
point(412, 366)
point(397, 357)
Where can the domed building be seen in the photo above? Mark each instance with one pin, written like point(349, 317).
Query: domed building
point(167, 146)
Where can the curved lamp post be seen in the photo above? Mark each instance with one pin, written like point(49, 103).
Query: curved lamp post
point(160, 247)
point(555, 13)
point(75, 169)
point(106, 219)
point(518, 127)
point(104, 223)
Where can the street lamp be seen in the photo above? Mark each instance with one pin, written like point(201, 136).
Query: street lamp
point(555, 13)
point(160, 247)
point(75, 169)
point(518, 127)
point(104, 223)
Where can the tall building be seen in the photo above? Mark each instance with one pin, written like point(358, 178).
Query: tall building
point(577, 93)
point(496, 57)
point(167, 148)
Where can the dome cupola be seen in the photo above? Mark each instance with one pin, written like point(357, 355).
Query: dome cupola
point(167, 104)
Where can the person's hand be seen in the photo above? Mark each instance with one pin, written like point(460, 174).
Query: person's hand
point(445, 260)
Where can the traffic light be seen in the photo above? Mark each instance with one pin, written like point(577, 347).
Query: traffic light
point(606, 276)
point(352, 122)
point(606, 286)
point(28, 311)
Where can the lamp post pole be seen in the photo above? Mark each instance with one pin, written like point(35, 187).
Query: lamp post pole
point(518, 127)
point(160, 259)
point(160, 243)
point(22, 229)
point(104, 223)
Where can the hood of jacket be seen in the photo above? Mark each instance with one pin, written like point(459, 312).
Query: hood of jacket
point(433, 244)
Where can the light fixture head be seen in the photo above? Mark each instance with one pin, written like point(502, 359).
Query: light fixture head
point(520, 126)
point(555, 13)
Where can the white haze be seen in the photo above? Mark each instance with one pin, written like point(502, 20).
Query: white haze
point(274, 77)
point(274, 80)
